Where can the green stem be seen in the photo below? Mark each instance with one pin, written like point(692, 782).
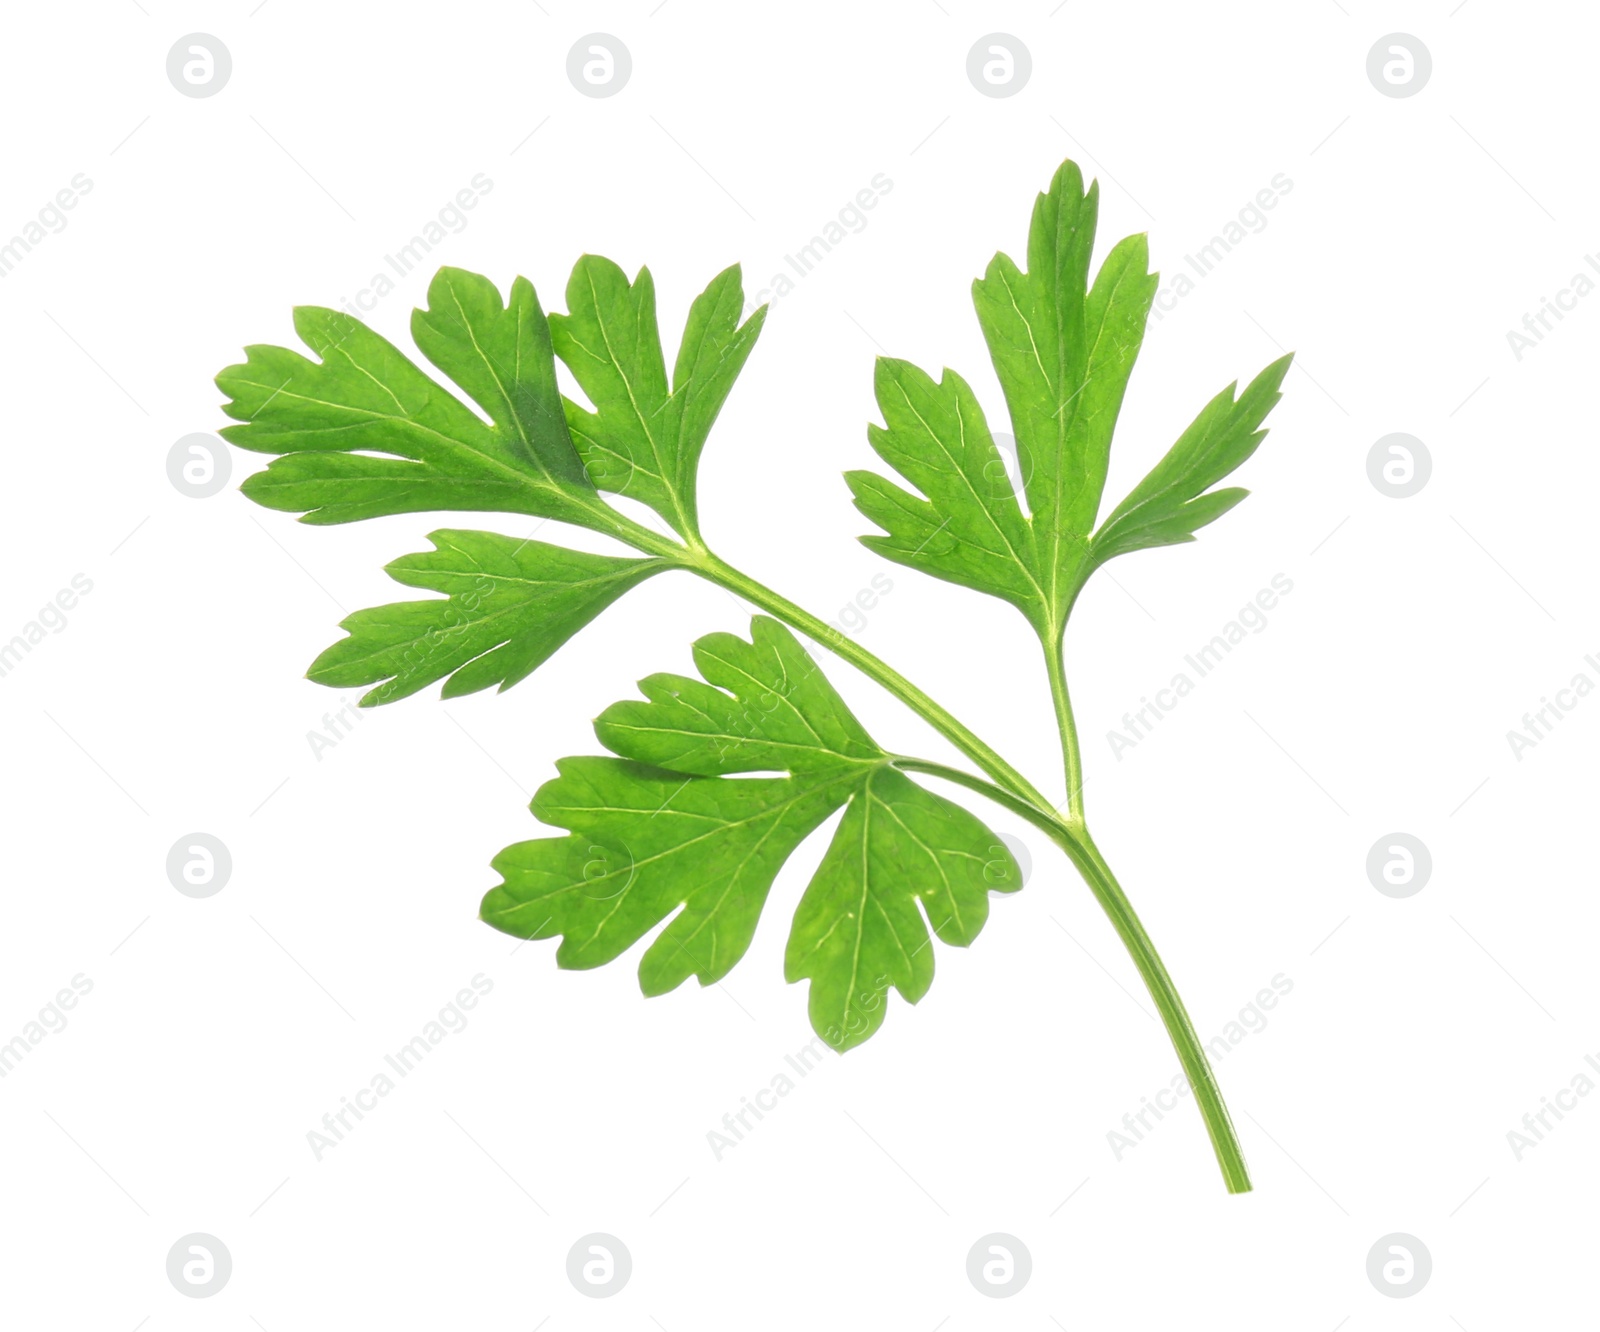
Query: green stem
point(1012, 790)
point(1072, 756)
point(1045, 820)
point(709, 566)
point(1185, 1040)
point(1114, 902)
point(1074, 839)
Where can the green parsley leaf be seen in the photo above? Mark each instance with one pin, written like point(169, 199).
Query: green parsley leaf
point(858, 929)
point(363, 397)
point(643, 439)
point(1063, 355)
point(970, 528)
point(1063, 351)
point(510, 604)
point(671, 830)
point(1172, 503)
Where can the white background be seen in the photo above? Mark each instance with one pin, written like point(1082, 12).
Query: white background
point(218, 1032)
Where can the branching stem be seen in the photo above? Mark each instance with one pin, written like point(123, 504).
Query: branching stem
point(1010, 789)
